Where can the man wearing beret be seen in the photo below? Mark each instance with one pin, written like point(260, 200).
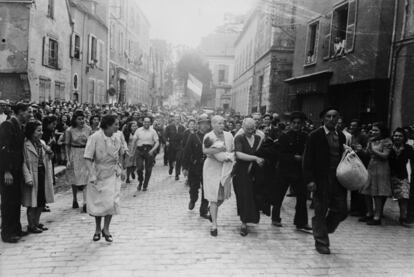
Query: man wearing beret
point(11, 165)
point(292, 146)
point(323, 152)
point(192, 162)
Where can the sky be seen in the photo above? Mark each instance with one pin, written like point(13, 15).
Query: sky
point(187, 21)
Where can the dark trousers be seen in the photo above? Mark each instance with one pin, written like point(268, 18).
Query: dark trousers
point(165, 154)
point(410, 208)
point(174, 159)
point(330, 208)
point(358, 203)
point(301, 212)
point(144, 161)
point(195, 181)
point(10, 210)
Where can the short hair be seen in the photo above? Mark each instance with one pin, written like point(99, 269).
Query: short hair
point(402, 131)
point(248, 121)
point(31, 127)
point(93, 117)
point(20, 107)
point(75, 116)
point(191, 120)
point(383, 129)
point(108, 120)
point(216, 119)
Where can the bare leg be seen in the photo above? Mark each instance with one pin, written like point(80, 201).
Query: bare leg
point(403, 203)
point(98, 220)
point(368, 204)
point(75, 193)
point(107, 223)
point(378, 207)
point(38, 213)
point(213, 212)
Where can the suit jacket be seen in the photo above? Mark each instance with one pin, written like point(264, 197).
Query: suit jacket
point(193, 157)
point(174, 136)
point(291, 144)
point(316, 158)
point(11, 149)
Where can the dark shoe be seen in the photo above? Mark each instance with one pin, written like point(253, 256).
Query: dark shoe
point(46, 209)
point(277, 223)
point(170, 171)
point(213, 232)
point(13, 239)
point(191, 205)
point(304, 228)
point(177, 178)
point(127, 181)
point(374, 222)
point(403, 222)
point(139, 186)
point(96, 237)
point(75, 205)
point(243, 231)
point(108, 238)
point(324, 250)
point(23, 234)
point(84, 208)
point(207, 216)
point(144, 189)
point(356, 214)
point(42, 227)
point(365, 218)
point(34, 230)
point(133, 175)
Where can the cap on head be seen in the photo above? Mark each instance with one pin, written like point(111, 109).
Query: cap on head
point(326, 110)
point(297, 115)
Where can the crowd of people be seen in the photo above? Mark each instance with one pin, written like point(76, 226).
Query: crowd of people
point(260, 156)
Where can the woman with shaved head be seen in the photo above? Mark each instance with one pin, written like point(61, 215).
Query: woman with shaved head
point(216, 172)
point(246, 146)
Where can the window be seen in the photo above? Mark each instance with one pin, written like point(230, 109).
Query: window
point(339, 38)
point(223, 73)
point(44, 89)
point(112, 36)
point(101, 54)
point(51, 8)
point(75, 48)
point(59, 90)
point(312, 43)
point(92, 50)
point(50, 52)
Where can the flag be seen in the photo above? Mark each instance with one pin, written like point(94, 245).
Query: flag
point(194, 86)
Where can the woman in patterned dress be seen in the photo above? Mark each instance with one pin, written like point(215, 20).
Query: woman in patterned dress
point(77, 173)
point(103, 158)
point(401, 154)
point(130, 161)
point(379, 188)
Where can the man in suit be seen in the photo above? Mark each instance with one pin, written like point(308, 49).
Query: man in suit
point(11, 164)
point(323, 152)
point(192, 161)
point(292, 145)
point(173, 139)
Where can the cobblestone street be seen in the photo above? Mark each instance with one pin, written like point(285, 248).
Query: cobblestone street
point(156, 235)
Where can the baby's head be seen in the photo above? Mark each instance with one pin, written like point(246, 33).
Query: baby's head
point(208, 142)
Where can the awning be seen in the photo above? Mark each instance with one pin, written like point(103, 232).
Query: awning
point(320, 74)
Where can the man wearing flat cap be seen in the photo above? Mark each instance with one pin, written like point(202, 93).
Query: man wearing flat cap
point(192, 162)
point(323, 152)
point(11, 167)
point(292, 146)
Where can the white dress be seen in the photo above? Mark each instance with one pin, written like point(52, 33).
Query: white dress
point(103, 194)
point(215, 171)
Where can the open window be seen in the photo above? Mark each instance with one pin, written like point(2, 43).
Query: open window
point(312, 43)
point(92, 50)
point(51, 52)
point(75, 46)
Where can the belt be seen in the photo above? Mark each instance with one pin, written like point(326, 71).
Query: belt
point(78, 146)
point(145, 146)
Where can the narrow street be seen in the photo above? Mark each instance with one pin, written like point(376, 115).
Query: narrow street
point(156, 235)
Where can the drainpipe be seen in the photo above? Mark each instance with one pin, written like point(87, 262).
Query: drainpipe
point(392, 63)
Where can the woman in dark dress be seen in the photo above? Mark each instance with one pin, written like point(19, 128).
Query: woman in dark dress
point(246, 146)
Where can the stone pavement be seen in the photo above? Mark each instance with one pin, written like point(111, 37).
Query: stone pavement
point(157, 236)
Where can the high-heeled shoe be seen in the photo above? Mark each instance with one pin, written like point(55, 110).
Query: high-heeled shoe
point(34, 230)
point(42, 227)
point(96, 237)
point(108, 238)
point(243, 231)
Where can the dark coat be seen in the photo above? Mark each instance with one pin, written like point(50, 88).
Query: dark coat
point(316, 158)
point(290, 144)
point(173, 137)
point(11, 150)
point(193, 157)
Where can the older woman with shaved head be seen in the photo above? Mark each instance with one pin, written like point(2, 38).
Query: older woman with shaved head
point(217, 169)
point(246, 146)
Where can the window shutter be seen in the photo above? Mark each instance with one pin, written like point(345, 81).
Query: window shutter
point(98, 56)
point(89, 49)
point(327, 37)
point(94, 48)
point(72, 45)
point(101, 56)
point(318, 27)
point(59, 55)
point(45, 51)
point(226, 74)
point(351, 26)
